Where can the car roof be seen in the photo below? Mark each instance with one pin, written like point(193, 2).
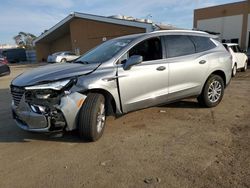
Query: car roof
point(174, 32)
point(60, 52)
point(231, 44)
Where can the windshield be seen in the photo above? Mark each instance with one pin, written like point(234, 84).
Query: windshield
point(104, 52)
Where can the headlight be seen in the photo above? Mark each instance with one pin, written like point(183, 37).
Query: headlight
point(53, 85)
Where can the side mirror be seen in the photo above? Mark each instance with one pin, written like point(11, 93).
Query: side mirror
point(133, 60)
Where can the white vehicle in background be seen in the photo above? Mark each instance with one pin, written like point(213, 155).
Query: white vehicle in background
point(240, 59)
point(62, 57)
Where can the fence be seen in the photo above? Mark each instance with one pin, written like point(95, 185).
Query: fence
point(31, 55)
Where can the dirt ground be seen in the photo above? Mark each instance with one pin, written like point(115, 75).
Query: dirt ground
point(176, 145)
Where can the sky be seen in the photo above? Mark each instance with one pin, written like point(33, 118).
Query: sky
point(35, 16)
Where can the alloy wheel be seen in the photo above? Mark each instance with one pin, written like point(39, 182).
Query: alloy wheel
point(101, 118)
point(214, 91)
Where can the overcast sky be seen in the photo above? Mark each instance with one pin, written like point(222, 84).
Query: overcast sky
point(34, 16)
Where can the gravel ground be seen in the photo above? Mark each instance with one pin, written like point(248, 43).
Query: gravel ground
point(176, 145)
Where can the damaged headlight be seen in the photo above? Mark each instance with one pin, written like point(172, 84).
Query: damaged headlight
point(58, 85)
point(49, 92)
point(44, 94)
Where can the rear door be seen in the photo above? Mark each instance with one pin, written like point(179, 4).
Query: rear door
point(188, 64)
point(145, 84)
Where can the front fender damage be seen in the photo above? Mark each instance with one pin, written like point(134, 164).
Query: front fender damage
point(70, 106)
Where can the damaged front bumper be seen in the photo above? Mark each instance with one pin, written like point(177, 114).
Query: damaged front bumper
point(61, 116)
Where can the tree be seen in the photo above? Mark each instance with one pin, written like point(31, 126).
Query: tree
point(25, 40)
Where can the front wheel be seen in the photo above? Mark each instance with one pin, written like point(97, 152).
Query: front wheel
point(234, 71)
point(212, 92)
point(92, 117)
point(244, 69)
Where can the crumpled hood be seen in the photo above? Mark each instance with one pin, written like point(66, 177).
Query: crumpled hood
point(53, 72)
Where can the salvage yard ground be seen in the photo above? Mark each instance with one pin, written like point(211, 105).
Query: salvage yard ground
point(176, 145)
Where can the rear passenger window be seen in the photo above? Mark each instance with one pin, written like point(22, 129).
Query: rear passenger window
point(71, 53)
point(202, 43)
point(179, 45)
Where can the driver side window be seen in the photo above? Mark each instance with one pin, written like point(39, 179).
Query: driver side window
point(149, 49)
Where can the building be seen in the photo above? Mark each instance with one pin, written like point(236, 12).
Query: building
point(80, 32)
point(230, 21)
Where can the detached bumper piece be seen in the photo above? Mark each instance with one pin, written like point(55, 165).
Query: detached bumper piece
point(28, 119)
point(31, 122)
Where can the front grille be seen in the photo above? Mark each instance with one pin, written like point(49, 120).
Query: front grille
point(17, 93)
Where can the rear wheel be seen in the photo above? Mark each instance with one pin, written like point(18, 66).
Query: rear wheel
point(92, 116)
point(244, 69)
point(234, 71)
point(212, 92)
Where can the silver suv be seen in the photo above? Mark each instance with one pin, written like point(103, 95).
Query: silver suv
point(119, 76)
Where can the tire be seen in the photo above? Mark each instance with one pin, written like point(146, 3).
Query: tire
point(63, 60)
point(244, 69)
point(92, 116)
point(213, 91)
point(234, 70)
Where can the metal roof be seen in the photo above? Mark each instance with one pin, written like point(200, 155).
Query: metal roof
point(63, 25)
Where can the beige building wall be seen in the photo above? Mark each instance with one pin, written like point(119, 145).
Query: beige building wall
point(86, 34)
point(229, 27)
point(222, 12)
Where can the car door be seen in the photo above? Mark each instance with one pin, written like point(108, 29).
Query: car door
point(188, 64)
point(66, 56)
point(144, 84)
point(71, 56)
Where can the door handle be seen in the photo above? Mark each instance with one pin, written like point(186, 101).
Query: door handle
point(202, 62)
point(160, 68)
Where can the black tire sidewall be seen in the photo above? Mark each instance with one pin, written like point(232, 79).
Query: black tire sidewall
point(63, 60)
point(234, 68)
point(206, 100)
point(87, 121)
point(245, 67)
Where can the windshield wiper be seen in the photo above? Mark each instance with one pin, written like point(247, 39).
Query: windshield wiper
point(81, 62)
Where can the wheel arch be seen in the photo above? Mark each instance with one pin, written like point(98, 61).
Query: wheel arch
point(63, 58)
point(109, 99)
point(216, 72)
point(219, 73)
